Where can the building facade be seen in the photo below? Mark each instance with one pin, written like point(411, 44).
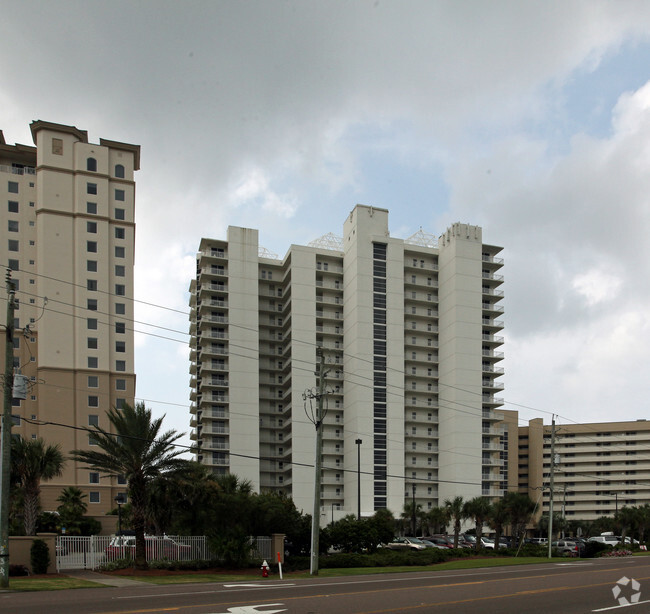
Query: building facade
point(598, 467)
point(68, 241)
point(408, 330)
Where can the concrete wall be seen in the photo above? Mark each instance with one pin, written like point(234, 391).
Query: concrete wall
point(19, 550)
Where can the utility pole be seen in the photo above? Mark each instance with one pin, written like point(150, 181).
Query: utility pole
point(358, 442)
point(5, 444)
point(317, 419)
point(413, 520)
point(551, 486)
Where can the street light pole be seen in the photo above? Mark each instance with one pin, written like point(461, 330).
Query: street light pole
point(119, 502)
point(358, 442)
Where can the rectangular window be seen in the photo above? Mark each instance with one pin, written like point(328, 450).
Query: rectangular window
point(91, 188)
point(119, 194)
point(91, 246)
point(91, 208)
point(92, 323)
point(93, 495)
point(13, 206)
point(120, 289)
point(119, 214)
point(12, 187)
point(92, 304)
point(91, 227)
point(91, 284)
point(120, 327)
point(12, 225)
point(14, 265)
point(120, 346)
point(92, 343)
point(93, 381)
point(13, 245)
point(120, 308)
point(93, 477)
point(119, 233)
point(120, 365)
point(92, 362)
point(119, 270)
point(119, 251)
point(93, 401)
point(91, 265)
point(119, 403)
point(120, 384)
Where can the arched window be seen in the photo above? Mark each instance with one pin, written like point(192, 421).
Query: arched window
point(91, 164)
point(119, 171)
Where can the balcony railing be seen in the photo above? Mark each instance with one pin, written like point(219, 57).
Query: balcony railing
point(14, 170)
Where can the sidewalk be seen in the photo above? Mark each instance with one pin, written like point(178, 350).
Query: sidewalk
point(100, 578)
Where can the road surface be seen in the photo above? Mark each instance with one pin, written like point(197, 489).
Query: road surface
point(579, 586)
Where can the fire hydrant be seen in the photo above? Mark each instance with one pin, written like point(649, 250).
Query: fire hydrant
point(265, 570)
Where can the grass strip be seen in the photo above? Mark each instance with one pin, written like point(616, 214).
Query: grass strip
point(49, 584)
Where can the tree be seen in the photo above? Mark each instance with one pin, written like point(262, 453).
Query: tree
point(478, 509)
point(408, 515)
point(456, 513)
point(138, 451)
point(628, 519)
point(498, 517)
point(438, 518)
point(31, 462)
point(72, 509)
point(643, 520)
point(520, 508)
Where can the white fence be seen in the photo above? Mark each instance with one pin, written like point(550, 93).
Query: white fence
point(92, 552)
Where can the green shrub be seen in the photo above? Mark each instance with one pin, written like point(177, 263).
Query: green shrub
point(18, 570)
point(39, 555)
point(594, 549)
point(116, 564)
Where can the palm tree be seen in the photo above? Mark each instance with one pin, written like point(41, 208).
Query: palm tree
point(32, 461)
point(499, 516)
point(72, 508)
point(628, 519)
point(455, 508)
point(438, 518)
point(520, 508)
point(138, 451)
point(478, 509)
point(410, 513)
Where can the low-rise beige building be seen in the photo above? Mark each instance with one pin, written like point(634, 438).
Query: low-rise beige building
point(599, 467)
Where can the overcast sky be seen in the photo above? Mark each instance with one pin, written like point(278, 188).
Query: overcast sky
point(530, 119)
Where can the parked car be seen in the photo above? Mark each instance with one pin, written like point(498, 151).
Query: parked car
point(609, 540)
point(441, 540)
point(430, 544)
point(540, 541)
point(489, 543)
point(566, 547)
point(157, 547)
point(406, 543)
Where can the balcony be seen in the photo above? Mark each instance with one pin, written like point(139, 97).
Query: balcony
point(492, 259)
point(15, 170)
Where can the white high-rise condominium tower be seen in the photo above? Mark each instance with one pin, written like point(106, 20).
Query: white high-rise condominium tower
point(68, 238)
point(408, 329)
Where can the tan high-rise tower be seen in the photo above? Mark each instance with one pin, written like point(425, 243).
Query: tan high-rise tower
point(68, 237)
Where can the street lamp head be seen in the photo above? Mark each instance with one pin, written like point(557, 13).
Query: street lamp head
point(358, 441)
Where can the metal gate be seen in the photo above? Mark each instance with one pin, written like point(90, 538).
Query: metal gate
point(92, 552)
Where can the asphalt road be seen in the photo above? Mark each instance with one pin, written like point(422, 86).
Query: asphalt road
point(600, 585)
